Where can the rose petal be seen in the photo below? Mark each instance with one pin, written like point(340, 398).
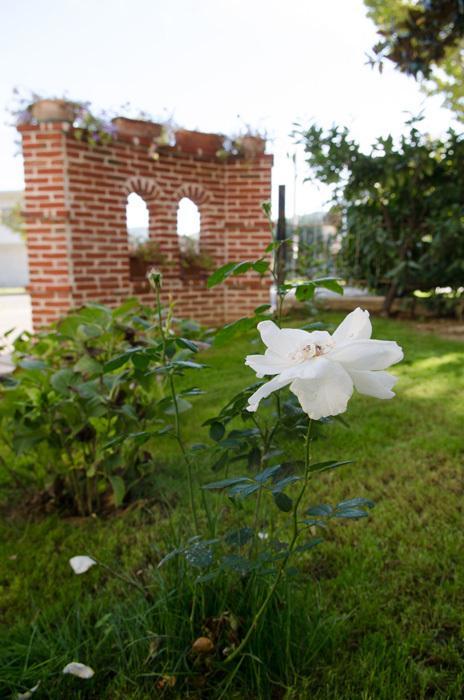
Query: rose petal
point(81, 564)
point(283, 341)
point(367, 354)
point(325, 394)
point(269, 363)
point(79, 670)
point(266, 389)
point(356, 325)
point(377, 384)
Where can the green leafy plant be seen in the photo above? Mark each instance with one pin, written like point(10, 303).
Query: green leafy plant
point(95, 128)
point(192, 259)
point(400, 204)
point(81, 413)
point(148, 251)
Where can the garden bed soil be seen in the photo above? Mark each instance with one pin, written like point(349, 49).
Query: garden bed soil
point(444, 327)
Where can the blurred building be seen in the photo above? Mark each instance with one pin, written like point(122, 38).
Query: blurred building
point(13, 253)
point(315, 243)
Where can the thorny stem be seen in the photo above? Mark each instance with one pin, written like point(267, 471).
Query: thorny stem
point(256, 520)
point(277, 423)
point(283, 566)
point(177, 429)
point(74, 478)
point(263, 437)
point(184, 452)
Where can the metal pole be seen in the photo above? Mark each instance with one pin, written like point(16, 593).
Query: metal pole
point(281, 236)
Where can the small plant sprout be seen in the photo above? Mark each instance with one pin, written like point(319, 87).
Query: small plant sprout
point(323, 369)
point(79, 670)
point(82, 563)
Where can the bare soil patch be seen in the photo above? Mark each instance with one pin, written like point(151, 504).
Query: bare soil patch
point(444, 327)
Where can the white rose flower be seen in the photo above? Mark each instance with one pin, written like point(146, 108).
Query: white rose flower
point(79, 670)
point(81, 564)
point(323, 369)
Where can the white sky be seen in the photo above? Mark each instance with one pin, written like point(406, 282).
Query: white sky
point(273, 62)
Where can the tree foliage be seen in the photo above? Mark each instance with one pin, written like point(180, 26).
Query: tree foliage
point(424, 39)
point(13, 219)
point(402, 205)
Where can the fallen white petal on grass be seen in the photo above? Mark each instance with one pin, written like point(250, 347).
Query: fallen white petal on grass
point(28, 694)
point(79, 670)
point(81, 564)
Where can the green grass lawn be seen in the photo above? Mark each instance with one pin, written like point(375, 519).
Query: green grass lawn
point(385, 595)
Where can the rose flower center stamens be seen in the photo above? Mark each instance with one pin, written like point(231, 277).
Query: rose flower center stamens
point(307, 352)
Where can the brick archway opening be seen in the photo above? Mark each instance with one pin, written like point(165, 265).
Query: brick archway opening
point(188, 225)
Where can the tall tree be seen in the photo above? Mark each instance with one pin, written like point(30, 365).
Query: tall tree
point(402, 208)
point(424, 39)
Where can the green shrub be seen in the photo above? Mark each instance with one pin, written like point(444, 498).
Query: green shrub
point(401, 207)
point(80, 415)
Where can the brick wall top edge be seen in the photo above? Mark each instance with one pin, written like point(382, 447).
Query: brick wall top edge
point(59, 127)
point(140, 144)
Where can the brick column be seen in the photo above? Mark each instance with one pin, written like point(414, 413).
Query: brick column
point(47, 217)
point(248, 185)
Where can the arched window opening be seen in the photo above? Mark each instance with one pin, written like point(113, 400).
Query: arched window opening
point(188, 226)
point(143, 251)
point(137, 221)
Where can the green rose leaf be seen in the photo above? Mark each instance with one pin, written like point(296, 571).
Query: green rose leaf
point(238, 538)
point(186, 343)
point(224, 483)
point(282, 501)
point(331, 283)
point(305, 292)
point(216, 431)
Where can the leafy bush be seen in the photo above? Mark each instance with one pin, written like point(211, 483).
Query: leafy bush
point(402, 208)
point(81, 413)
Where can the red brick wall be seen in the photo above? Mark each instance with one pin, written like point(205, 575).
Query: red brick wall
point(75, 211)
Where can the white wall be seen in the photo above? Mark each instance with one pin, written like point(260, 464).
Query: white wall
point(13, 264)
point(15, 312)
point(13, 253)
